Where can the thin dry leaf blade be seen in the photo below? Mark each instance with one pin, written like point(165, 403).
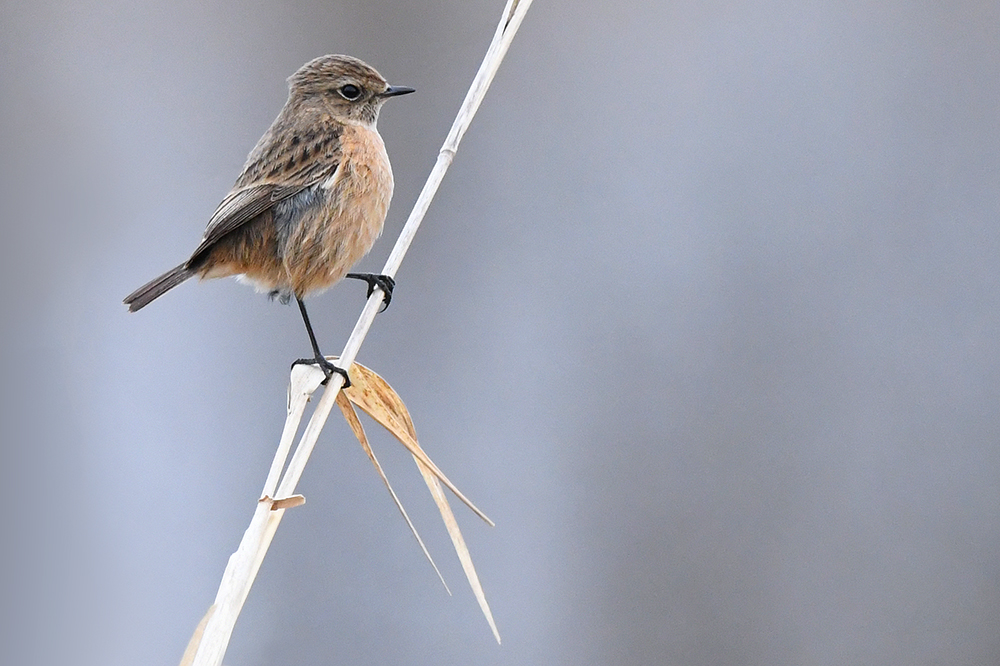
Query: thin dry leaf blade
point(359, 431)
point(192, 647)
point(370, 391)
point(437, 492)
point(376, 398)
point(374, 395)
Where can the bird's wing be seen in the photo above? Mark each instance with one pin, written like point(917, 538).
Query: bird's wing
point(244, 204)
point(284, 163)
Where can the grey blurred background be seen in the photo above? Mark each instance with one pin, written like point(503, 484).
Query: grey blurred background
point(705, 316)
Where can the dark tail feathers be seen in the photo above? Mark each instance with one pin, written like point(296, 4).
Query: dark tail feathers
point(142, 296)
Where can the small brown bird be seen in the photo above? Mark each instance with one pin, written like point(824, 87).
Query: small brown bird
point(312, 197)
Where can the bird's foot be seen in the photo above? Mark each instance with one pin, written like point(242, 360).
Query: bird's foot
point(384, 282)
point(327, 367)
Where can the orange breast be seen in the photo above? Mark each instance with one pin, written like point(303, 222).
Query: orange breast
point(321, 249)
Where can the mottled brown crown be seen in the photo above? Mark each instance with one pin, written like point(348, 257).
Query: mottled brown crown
point(334, 80)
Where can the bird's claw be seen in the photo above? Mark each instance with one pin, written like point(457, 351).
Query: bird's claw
point(328, 369)
point(384, 282)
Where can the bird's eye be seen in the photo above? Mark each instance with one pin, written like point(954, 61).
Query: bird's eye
point(350, 91)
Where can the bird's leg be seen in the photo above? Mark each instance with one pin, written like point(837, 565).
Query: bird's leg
point(383, 282)
point(320, 360)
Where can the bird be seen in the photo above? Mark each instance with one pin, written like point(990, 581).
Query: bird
point(311, 200)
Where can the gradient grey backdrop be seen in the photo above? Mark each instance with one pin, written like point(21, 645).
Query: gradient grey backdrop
point(705, 316)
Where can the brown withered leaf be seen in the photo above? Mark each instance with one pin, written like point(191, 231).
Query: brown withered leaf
point(376, 398)
point(359, 431)
point(192, 647)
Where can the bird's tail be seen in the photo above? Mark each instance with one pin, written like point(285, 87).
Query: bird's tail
point(142, 296)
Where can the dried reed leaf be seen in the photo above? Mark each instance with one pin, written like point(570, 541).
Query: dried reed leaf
point(359, 432)
point(376, 398)
point(437, 492)
point(192, 647)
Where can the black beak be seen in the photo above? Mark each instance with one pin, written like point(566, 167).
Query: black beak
point(393, 91)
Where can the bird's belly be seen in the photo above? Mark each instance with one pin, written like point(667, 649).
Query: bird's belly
point(334, 235)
